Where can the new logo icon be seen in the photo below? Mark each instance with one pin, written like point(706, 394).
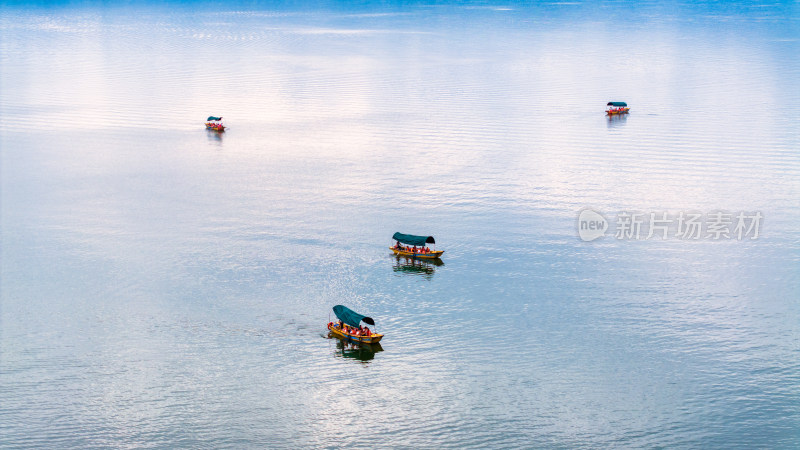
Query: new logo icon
point(591, 225)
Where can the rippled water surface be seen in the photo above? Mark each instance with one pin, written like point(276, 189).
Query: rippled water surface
point(166, 286)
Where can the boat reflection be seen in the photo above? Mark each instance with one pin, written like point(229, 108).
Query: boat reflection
point(361, 352)
point(616, 120)
point(413, 266)
point(215, 136)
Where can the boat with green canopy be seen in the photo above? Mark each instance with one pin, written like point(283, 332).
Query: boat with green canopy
point(349, 326)
point(214, 123)
point(415, 246)
point(613, 108)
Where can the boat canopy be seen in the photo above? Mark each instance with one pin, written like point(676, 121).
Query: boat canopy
point(213, 118)
point(617, 104)
point(410, 239)
point(351, 317)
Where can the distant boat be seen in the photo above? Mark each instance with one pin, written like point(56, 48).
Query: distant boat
point(347, 329)
point(214, 123)
point(415, 246)
point(613, 108)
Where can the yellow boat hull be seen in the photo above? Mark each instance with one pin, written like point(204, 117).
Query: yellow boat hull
point(338, 333)
point(612, 112)
point(431, 255)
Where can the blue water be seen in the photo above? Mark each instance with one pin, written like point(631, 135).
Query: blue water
point(163, 286)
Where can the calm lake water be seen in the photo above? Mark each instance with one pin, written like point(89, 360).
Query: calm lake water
point(164, 286)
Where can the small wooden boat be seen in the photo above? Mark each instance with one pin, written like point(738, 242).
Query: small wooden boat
point(613, 108)
point(347, 329)
point(214, 123)
point(415, 246)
